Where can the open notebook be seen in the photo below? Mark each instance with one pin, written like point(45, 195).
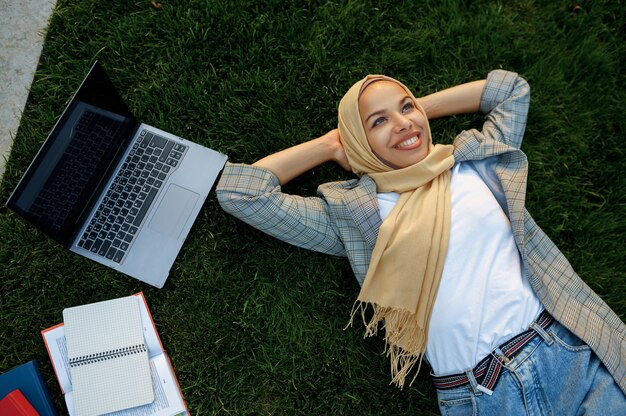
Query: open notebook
point(107, 356)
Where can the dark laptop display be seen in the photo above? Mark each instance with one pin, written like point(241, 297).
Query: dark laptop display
point(69, 171)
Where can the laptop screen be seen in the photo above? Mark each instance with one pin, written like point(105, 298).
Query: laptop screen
point(63, 181)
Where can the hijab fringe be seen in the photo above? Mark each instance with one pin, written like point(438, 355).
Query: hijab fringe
point(405, 340)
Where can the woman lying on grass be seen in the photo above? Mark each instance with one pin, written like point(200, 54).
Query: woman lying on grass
point(448, 259)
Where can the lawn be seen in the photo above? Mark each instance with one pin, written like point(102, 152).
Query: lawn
point(254, 326)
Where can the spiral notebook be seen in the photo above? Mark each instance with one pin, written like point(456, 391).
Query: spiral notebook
point(108, 357)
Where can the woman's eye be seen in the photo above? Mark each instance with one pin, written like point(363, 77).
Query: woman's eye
point(407, 107)
point(378, 121)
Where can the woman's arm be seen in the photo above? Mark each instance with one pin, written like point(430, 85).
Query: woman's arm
point(461, 99)
point(253, 195)
point(503, 97)
point(292, 162)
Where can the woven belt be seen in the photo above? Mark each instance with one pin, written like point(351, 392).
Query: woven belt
point(487, 371)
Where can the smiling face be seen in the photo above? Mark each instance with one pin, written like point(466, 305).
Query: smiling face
point(397, 131)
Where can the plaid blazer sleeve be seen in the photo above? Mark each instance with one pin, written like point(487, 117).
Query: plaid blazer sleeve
point(254, 195)
point(505, 102)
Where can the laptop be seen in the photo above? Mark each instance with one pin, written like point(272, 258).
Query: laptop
point(119, 192)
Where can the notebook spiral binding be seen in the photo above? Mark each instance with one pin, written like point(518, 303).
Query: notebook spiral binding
point(107, 355)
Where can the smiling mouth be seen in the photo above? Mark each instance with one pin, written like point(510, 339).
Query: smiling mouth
point(409, 142)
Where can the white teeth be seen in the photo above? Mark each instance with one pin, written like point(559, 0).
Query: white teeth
point(407, 142)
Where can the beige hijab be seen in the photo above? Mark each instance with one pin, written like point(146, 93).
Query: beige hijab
point(407, 261)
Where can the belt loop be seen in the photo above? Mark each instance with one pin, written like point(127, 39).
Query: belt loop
point(472, 380)
point(474, 384)
point(542, 333)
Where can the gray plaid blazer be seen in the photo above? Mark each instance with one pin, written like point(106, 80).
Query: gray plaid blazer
point(343, 219)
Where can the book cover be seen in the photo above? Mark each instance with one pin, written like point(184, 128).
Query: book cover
point(29, 381)
point(15, 404)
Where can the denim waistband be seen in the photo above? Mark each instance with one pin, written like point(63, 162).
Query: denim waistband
point(487, 371)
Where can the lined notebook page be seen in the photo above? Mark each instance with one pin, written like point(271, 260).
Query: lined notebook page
point(108, 358)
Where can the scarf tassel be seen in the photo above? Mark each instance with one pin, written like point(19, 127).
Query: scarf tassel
point(405, 341)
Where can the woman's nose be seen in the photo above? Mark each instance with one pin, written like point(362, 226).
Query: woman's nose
point(401, 123)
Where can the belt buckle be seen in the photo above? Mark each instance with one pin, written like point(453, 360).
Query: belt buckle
point(499, 355)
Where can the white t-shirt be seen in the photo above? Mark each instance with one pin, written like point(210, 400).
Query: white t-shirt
point(483, 298)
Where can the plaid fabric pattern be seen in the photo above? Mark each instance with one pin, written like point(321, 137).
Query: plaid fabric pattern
point(343, 219)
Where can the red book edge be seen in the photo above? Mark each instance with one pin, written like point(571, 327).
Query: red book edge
point(15, 404)
point(43, 332)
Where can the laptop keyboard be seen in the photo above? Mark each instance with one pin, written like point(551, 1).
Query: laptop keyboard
point(119, 216)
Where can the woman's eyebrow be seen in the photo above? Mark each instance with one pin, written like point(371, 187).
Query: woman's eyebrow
point(376, 113)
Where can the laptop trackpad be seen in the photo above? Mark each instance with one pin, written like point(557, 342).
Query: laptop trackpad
point(173, 211)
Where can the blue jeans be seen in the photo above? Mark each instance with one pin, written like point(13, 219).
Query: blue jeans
point(554, 374)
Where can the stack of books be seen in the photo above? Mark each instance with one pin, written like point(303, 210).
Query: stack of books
point(23, 392)
point(109, 359)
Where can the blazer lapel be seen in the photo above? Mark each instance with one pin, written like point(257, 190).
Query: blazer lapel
point(511, 169)
point(363, 206)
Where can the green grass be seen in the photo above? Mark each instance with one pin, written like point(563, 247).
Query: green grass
point(256, 327)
